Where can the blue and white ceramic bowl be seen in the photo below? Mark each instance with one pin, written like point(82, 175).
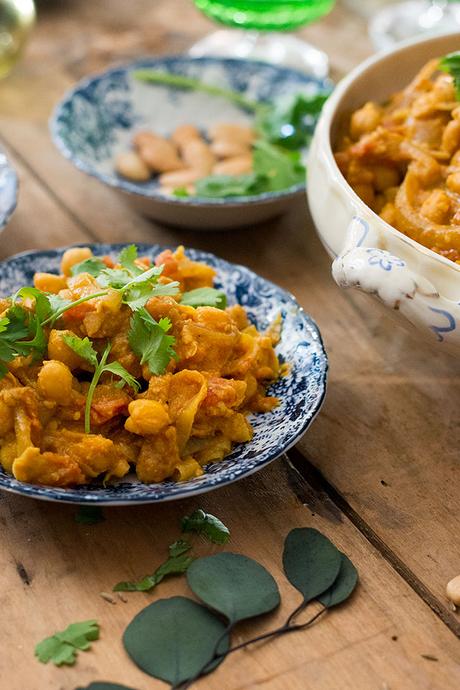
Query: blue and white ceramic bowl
point(300, 392)
point(97, 120)
point(8, 190)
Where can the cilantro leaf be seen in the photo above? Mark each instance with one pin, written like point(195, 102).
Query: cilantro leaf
point(291, 121)
point(93, 266)
point(207, 525)
point(204, 297)
point(451, 64)
point(282, 169)
point(62, 647)
point(215, 186)
point(83, 347)
point(149, 341)
point(58, 303)
point(127, 259)
point(178, 562)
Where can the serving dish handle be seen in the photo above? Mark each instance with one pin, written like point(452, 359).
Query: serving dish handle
point(363, 265)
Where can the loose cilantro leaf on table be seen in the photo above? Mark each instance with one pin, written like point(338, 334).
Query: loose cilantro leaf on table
point(204, 297)
point(62, 647)
point(83, 347)
point(451, 64)
point(207, 525)
point(178, 562)
point(149, 341)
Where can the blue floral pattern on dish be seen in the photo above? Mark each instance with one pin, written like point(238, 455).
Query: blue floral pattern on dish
point(97, 119)
point(8, 190)
point(382, 258)
point(301, 391)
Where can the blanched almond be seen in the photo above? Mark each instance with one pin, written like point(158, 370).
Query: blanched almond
point(130, 165)
point(232, 132)
point(453, 590)
point(158, 154)
point(225, 148)
point(239, 165)
point(197, 154)
point(183, 134)
point(179, 178)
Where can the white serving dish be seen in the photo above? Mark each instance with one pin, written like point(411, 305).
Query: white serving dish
point(369, 254)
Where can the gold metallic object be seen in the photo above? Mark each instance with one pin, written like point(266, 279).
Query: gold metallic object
point(17, 18)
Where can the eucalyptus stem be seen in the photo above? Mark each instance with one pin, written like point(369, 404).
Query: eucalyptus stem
point(158, 77)
point(286, 628)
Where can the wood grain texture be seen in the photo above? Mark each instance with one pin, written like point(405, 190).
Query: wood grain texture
point(379, 638)
point(380, 464)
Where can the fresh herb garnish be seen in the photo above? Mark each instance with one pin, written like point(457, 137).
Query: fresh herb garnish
point(84, 349)
point(207, 525)
point(451, 64)
point(62, 647)
point(291, 122)
point(178, 562)
point(204, 297)
point(93, 266)
point(149, 341)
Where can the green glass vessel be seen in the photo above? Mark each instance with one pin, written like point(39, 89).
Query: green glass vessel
point(265, 15)
point(17, 18)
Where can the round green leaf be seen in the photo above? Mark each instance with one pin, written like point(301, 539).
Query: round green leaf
point(311, 562)
point(343, 587)
point(174, 639)
point(102, 685)
point(235, 585)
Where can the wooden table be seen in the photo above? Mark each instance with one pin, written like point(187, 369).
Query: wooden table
point(378, 471)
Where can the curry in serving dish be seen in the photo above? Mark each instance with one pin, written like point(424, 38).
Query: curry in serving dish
point(119, 363)
point(403, 157)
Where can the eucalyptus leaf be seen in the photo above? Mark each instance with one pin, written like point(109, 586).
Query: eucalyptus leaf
point(311, 562)
point(174, 639)
point(344, 585)
point(235, 585)
point(102, 685)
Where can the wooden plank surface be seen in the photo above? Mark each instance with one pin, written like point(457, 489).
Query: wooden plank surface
point(382, 456)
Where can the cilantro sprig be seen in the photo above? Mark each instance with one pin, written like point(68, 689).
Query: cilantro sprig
point(84, 349)
point(178, 562)
point(204, 297)
point(63, 647)
point(149, 341)
point(451, 64)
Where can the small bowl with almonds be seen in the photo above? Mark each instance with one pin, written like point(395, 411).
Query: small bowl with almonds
point(207, 143)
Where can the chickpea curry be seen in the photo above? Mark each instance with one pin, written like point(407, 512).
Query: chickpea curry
point(403, 157)
point(120, 364)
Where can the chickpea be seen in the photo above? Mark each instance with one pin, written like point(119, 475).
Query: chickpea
point(74, 256)
point(242, 134)
point(146, 417)
point(234, 166)
point(384, 177)
point(436, 207)
point(453, 590)
point(453, 182)
point(366, 193)
point(55, 381)
point(198, 156)
point(158, 154)
point(58, 350)
point(50, 282)
point(130, 165)
point(365, 120)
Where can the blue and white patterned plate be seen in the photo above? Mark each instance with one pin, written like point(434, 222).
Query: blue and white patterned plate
point(8, 190)
point(96, 121)
point(301, 391)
